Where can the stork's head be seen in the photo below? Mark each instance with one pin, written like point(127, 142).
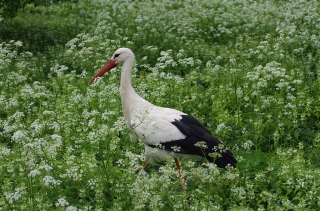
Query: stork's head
point(119, 57)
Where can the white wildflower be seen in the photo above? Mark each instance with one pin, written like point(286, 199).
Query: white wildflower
point(56, 137)
point(18, 135)
point(4, 151)
point(18, 43)
point(220, 128)
point(201, 144)
point(13, 197)
point(176, 148)
point(248, 145)
point(62, 202)
point(46, 167)
point(50, 181)
point(34, 173)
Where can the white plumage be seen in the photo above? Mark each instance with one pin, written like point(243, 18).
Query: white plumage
point(153, 126)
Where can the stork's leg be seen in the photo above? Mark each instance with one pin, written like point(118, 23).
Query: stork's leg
point(144, 165)
point(182, 178)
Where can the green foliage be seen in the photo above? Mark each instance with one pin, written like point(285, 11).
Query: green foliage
point(249, 70)
point(10, 8)
point(46, 29)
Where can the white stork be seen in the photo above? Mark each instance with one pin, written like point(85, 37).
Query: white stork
point(165, 132)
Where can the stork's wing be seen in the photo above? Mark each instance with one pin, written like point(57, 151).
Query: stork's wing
point(173, 129)
point(199, 141)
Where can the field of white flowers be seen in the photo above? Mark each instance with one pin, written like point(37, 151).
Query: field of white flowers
point(249, 70)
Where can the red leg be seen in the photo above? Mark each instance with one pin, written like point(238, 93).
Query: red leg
point(182, 178)
point(144, 166)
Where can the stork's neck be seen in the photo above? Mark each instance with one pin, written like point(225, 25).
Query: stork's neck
point(125, 84)
point(131, 101)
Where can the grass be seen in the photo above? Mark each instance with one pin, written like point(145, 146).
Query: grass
point(249, 71)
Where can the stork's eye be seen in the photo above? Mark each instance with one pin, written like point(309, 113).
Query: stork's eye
point(116, 55)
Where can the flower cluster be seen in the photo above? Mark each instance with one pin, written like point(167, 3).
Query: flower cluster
point(248, 70)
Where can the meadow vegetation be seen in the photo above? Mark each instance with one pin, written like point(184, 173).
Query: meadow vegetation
point(248, 70)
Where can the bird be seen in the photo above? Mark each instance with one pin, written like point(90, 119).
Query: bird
point(166, 133)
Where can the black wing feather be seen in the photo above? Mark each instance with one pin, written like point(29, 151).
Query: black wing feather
point(195, 133)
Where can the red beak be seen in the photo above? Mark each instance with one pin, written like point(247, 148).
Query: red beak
point(108, 66)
